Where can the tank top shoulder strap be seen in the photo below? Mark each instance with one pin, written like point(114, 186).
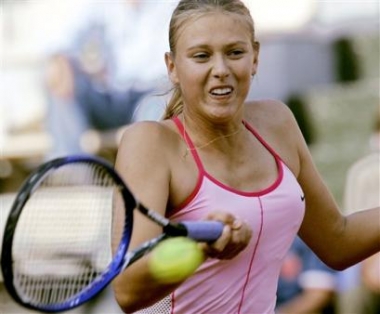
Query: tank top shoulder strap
point(261, 140)
point(193, 151)
point(189, 143)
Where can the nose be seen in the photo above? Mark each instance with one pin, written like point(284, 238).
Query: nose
point(220, 67)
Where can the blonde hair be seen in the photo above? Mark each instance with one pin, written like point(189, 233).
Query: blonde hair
point(190, 9)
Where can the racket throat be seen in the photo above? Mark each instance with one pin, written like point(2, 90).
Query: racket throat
point(177, 230)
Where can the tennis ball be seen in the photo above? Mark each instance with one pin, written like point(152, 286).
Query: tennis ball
point(175, 259)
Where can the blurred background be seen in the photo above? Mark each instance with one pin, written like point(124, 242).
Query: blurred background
point(320, 57)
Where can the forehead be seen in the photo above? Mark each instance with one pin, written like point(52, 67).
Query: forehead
point(212, 27)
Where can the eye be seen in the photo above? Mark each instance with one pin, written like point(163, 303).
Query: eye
point(236, 53)
point(201, 56)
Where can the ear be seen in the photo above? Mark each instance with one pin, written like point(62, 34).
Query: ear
point(171, 68)
point(256, 50)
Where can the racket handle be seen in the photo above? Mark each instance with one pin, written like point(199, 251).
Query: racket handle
point(203, 231)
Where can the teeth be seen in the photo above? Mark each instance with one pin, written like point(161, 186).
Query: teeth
point(221, 91)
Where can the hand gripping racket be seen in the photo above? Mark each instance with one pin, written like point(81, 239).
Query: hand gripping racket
point(56, 251)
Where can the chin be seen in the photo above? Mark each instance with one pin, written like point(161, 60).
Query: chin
point(221, 117)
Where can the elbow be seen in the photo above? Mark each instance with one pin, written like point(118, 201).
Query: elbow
point(123, 302)
point(338, 266)
point(126, 303)
point(129, 302)
point(338, 262)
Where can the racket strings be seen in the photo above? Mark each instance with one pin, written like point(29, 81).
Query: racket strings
point(62, 242)
point(45, 291)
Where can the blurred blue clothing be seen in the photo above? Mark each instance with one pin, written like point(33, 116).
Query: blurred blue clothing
point(303, 269)
point(116, 56)
point(91, 108)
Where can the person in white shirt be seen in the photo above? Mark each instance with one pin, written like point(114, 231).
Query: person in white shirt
point(111, 59)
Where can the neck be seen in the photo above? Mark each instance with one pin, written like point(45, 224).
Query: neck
point(206, 135)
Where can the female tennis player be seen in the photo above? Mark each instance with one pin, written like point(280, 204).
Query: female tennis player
point(216, 155)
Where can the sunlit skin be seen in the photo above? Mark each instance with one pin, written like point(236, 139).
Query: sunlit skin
point(212, 62)
point(202, 65)
point(216, 52)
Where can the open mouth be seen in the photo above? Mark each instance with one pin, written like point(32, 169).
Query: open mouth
point(225, 91)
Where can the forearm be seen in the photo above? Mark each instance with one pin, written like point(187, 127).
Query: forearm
point(135, 288)
point(361, 236)
point(342, 241)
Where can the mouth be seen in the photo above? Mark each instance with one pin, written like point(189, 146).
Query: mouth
point(221, 91)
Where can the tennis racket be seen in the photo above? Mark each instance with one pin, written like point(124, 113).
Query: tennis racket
point(56, 252)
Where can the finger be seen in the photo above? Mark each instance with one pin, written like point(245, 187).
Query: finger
point(221, 216)
point(238, 241)
point(223, 240)
point(237, 224)
point(215, 248)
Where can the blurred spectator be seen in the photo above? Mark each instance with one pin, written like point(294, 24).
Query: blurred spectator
point(114, 58)
point(306, 284)
point(360, 284)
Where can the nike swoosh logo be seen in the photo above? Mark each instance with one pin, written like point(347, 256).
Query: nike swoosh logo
point(302, 198)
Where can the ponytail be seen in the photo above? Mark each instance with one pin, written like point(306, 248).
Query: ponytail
point(175, 104)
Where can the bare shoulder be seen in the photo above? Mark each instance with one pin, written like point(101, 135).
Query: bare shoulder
point(275, 122)
point(144, 152)
point(148, 144)
point(269, 112)
point(149, 135)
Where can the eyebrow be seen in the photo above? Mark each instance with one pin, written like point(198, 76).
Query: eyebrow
point(205, 46)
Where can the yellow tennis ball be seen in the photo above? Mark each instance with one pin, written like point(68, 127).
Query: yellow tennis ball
point(175, 259)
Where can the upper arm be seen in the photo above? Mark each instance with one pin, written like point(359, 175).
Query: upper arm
point(144, 164)
point(141, 161)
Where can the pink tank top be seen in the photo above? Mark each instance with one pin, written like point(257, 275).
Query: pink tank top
point(247, 283)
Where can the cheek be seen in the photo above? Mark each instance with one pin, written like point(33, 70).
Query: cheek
point(245, 79)
point(190, 85)
point(192, 77)
point(244, 70)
